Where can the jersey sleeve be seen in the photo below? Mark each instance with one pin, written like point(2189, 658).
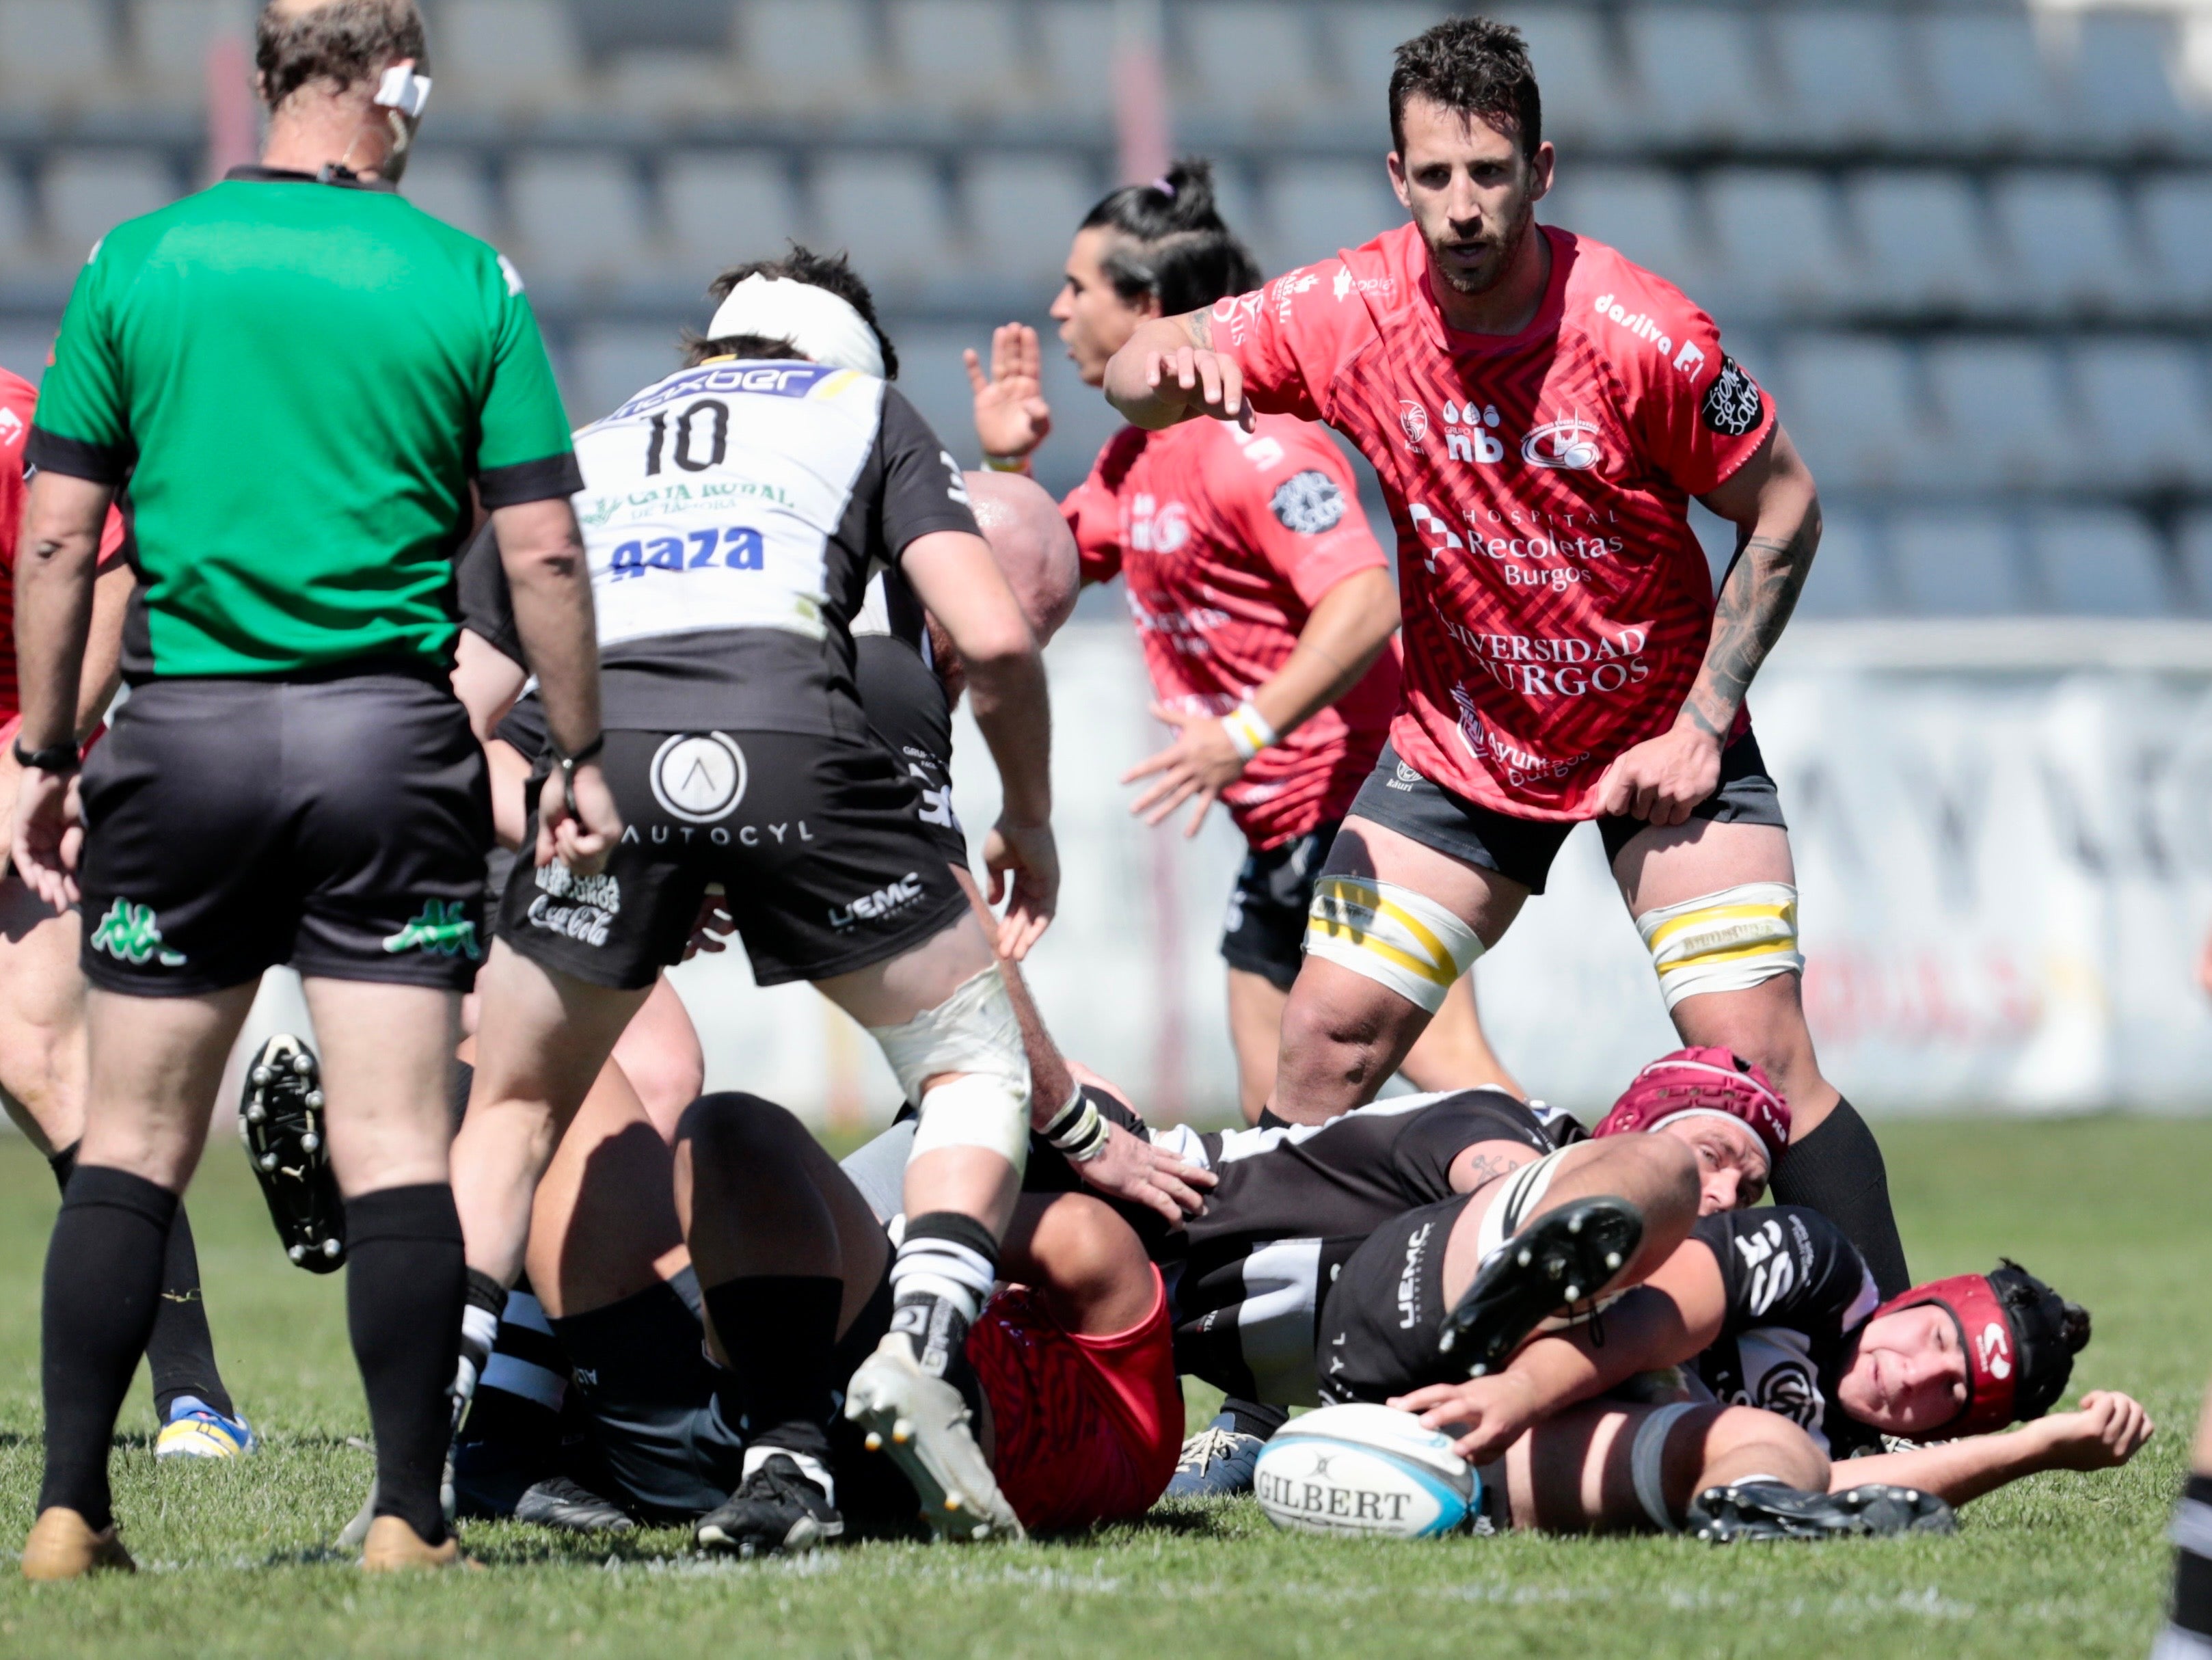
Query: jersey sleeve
point(487, 602)
point(923, 488)
point(1291, 337)
point(1301, 512)
point(1094, 519)
point(1424, 1151)
point(523, 449)
point(1697, 414)
point(1787, 1265)
point(83, 426)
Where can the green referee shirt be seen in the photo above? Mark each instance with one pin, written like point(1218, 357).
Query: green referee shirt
point(298, 380)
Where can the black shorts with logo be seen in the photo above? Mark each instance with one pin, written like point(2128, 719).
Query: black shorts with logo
point(339, 825)
point(817, 844)
point(1265, 930)
point(1385, 1308)
point(1521, 849)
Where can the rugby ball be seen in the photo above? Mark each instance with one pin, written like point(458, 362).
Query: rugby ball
point(1364, 1470)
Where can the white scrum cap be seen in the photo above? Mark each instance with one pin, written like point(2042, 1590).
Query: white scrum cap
point(820, 326)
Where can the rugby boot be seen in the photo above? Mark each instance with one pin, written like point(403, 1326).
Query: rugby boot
point(1217, 1462)
point(280, 1119)
point(923, 1424)
point(1562, 1257)
point(571, 1507)
point(63, 1546)
point(1768, 1510)
point(776, 1511)
point(393, 1547)
point(197, 1430)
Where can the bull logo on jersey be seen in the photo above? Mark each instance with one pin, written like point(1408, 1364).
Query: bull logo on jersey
point(1415, 420)
point(698, 776)
point(1789, 1390)
point(1565, 446)
point(1994, 1349)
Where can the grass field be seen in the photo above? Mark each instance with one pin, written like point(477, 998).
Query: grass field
point(2112, 1210)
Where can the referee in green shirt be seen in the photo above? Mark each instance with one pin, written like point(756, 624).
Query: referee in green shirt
point(298, 378)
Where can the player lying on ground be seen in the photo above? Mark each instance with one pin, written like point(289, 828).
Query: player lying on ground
point(750, 1228)
point(1262, 601)
point(1540, 412)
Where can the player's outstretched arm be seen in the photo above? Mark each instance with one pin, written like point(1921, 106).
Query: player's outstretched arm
point(2108, 1430)
point(960, 584)
point(1776, 509)
point(1169, 372)
point(55, 569)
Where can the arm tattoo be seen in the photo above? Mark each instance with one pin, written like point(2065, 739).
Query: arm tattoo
point(1756, 596)
point(1483, 1169)
point(1200, 327)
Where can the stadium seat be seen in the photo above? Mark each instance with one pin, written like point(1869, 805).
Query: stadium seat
point(1641, 211)
point(1359, 42)
point(1023, 210)
point(2122, 84)
point(55, 55)
point(958, 55)
point(2145, 401)
point(579, 217)
point(1698, 73)
point(1584, 93)
point(2196, 553)
point(1922, 241)
point(1844, 76)
point(89, 192)
point(1077, 38)
point(170, 40)
point(2067, 243)
point(1315, 208)
point(2097, 563)
point(510, 56)
point(664, 84)
point(23, 347)
point(611, 362)
point(1251, 61)
point(723, 208)
point(812, 55)
point(1778, 243)
point(1856, 412)
point(1990, 81)
point(2005, 418)
point(888, 211)
point(17, 245)
point(2176, 221)
point(934, 378)
point(1849, 578)
point(452, 186)
point(1955, 563)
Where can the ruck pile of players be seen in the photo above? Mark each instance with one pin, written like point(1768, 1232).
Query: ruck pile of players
point(694, 672)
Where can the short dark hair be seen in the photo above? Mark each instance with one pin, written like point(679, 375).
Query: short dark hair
point(1172, 243)
point(833, 271)
point(342, 42)
point(1471, 66)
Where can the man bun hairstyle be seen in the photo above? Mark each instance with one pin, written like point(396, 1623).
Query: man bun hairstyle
point(831, 271)
point(1170, 242)
point(339, 43)
point(1472, 67)
point(2049, 1330)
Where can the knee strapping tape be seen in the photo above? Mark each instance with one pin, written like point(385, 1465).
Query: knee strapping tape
point(1391, 934)
point(972, 1033)
point(1647, 1463)
point(1726, 942)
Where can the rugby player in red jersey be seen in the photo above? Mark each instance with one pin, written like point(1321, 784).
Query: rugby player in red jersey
point(42, 1046)
point(1540, 412)
point(1262, 601)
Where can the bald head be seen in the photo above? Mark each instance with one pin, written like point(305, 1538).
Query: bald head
point(1033, 546)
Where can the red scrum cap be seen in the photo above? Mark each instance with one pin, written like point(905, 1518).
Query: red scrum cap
point(1715, 1081)
point(2019, 1338)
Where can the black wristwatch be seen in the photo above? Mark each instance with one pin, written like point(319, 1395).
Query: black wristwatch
point(55, 758)
point(568, 762)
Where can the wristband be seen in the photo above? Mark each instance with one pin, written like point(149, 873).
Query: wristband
point(1007, 463)
point(1079, 1129)
point(569, 763)
point(55, 758)
point(1248, 729)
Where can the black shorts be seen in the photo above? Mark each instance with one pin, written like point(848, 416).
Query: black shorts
point(1384, 1309)
point(817, 844)
point(1265, 930)
point(1521, 849)
point(338, 825)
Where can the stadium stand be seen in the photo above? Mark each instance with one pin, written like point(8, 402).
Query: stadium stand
point(1968, 245)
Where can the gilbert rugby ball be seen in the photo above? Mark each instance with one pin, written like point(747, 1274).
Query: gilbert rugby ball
point(1364, 1470)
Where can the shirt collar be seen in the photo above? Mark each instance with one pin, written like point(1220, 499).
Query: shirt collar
point(255, 173)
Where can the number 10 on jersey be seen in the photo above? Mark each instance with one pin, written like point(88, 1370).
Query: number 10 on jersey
point(733, 547)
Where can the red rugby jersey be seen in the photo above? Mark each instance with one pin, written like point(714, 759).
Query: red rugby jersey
point(18, 396)
point(1559, 606)
point(1227, 540)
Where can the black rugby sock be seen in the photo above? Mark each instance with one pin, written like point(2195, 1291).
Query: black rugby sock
point(1251, 1418)
point(940, 1280)
point(483, 1300)
point(779, 1334)
point(103, 1283)
point(2192, 1562)
point(404, 1283)
point(514, 1416)
point(1838, 1171)
point(180, 1353)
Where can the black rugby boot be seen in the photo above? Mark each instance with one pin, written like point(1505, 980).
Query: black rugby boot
point(1563, 1257)
point(1768, 1510)
point(776, 1510)
point(280, 1119)
point(570, 1506)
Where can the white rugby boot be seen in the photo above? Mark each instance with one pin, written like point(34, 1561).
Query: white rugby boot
point(923, 1424)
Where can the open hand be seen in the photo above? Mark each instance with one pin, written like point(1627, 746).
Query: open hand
point(1022, 862)
point(1131, 1168)
point(1012, 415)
point(1487, 1413)
point(1202, 763)
point(1204, 381)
